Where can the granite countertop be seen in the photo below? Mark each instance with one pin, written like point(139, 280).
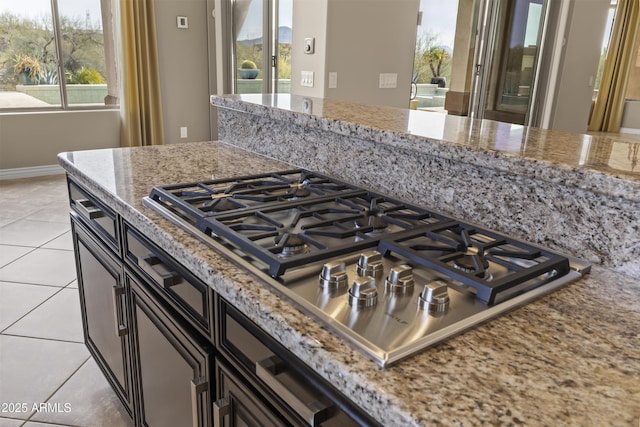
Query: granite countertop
point(605, 163)
point(569, 358)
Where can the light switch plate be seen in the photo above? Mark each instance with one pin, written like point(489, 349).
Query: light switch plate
point(309, 45)
point(182, 22)
point(306, 78)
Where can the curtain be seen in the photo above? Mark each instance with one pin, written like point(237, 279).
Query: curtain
point(141, 109)
point(609, 105)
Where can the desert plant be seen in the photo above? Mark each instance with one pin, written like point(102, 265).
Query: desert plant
point(436, 56)
point(27, 65)
point(86, 76)
point(248, 65)
point(49, 75)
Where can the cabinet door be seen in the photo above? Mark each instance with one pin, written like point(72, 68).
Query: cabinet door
point(103, 305)
point(238, 405)
point(172, 364)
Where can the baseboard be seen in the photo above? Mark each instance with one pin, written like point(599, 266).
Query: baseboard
point(630, 130)
point(30, 172)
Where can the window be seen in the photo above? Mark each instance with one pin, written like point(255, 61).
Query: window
point(259, 55)
point(433, 54)
point(57, 54)
point(605, 47)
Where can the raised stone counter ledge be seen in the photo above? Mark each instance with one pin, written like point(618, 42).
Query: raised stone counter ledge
point(575, 193)
point(570, 358)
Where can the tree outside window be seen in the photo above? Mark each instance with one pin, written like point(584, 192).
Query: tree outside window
point(38, 70)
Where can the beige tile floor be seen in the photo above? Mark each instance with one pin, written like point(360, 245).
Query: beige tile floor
point(42, 356)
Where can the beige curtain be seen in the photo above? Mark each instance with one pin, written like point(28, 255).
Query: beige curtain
point(141, 109)
point(609, 105)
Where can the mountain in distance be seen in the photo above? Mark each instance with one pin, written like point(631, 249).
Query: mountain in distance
point(284, 36)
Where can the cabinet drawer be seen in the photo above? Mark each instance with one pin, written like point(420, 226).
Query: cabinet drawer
point(101, 219)
point(303, 398)
point(173, 282)
point(238, 403)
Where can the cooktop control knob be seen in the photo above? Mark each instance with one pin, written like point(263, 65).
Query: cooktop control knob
point(333, 275)
point(370, 264)
point(434, 297)
point(400, 279)
point(363, 292)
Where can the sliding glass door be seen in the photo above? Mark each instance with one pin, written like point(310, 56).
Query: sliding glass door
point(255, 51)
point(507, 53)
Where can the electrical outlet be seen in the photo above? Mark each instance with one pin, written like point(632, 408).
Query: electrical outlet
point(183, 132)
point(306, 78)
point(182, 22)
point(307, 105)
point(388, 81)
point(333, 80)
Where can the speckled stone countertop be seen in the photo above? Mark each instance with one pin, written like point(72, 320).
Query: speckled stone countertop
point(570, 358)
point(577, 194)
point(606, 163)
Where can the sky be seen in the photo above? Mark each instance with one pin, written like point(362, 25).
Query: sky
point(438, 17)
point(36, 8)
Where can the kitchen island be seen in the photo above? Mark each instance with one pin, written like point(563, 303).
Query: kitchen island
point(568, 358)
point(579, 194)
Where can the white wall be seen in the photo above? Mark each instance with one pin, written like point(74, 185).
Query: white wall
point(631, 117)
point(29, 140)
point(32, 140)
point(358, 40)
point(184, 69)
point(571, 101)
point(309, 20)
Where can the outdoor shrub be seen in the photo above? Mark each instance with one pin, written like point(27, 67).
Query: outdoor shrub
point(86, 76)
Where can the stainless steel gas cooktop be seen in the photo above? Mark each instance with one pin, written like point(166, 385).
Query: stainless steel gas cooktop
point(390, 277)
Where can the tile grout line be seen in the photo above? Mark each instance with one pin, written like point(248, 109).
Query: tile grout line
point(4, 334)
point(26, 217)
point(33, 248)
point(30, 311)
point(54, 393)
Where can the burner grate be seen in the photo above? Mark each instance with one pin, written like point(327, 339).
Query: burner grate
point(328, 227)
point(296, 217)
point(492, 264)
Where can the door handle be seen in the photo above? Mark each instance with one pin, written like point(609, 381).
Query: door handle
point(313, 412)
point(166, 279)
point(221, 409)
point(198, 386)
point(117, 293)
point(88, 209)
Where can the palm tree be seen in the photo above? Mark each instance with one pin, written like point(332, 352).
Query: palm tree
point(436, 56)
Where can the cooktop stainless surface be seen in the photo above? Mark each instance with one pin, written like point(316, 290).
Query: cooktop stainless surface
point(391, 277)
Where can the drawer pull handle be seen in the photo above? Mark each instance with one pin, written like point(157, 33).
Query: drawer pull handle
point(121, 329)
point(88, 209)
point(166, 278)
point(198, 386)
point(313, 411)
point(221, 409)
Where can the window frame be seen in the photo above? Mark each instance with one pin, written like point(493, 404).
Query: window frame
point(62, 84)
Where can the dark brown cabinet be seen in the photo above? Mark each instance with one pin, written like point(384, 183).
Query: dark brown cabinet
point(104, 309)
point(174, 352)
point(172, 364)
point(238, 404)
point(273, 380)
